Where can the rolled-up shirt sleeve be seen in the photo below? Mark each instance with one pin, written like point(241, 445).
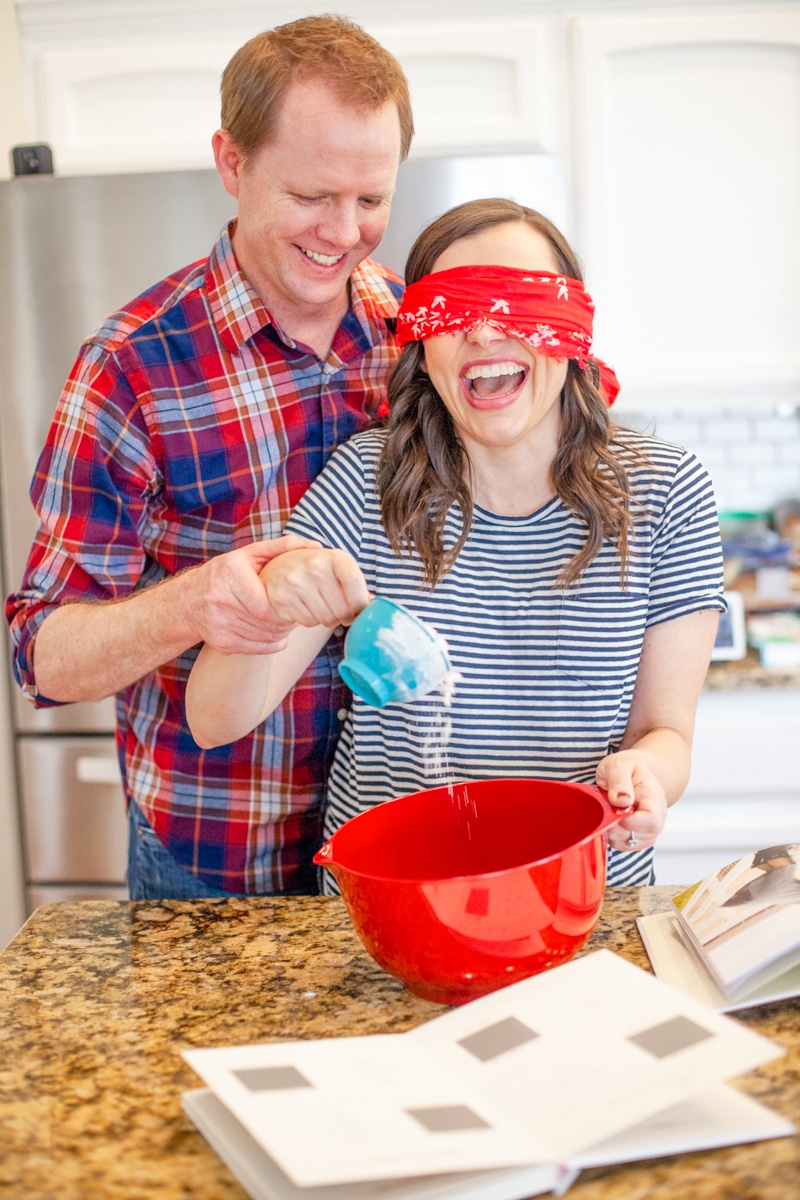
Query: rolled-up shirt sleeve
point(686, 554)
point(90, 491)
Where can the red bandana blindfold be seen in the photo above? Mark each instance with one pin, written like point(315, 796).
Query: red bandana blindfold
point(551, 313)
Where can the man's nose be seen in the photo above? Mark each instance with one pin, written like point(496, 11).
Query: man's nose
point(339, 225)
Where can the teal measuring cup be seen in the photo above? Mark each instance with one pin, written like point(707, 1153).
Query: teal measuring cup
point(390, 656)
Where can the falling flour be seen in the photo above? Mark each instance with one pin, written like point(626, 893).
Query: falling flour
point(437, 729)
point(447, 688)
point(408, 640)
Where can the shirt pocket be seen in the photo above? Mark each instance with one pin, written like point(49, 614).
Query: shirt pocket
point(600, 636)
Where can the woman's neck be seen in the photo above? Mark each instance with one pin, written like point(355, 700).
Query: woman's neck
point(511, 482)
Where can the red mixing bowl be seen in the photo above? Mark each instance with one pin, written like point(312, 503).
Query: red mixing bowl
point(461, 890)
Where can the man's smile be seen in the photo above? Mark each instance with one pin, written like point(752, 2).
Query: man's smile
point(324, 260)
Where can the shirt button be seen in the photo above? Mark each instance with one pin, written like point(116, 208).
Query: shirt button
point(342, 714)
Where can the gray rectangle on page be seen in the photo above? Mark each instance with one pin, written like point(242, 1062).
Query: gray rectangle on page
point(498, 1039)
point(268, 1079)
point(670, 1036)
point(445, 1118)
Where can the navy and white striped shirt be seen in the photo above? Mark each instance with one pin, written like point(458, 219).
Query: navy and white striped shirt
point(548, 674)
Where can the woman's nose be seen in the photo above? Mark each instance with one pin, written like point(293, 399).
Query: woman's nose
point(485, 335)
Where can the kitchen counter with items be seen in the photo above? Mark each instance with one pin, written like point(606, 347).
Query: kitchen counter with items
point(747, 674)
point(99, 998)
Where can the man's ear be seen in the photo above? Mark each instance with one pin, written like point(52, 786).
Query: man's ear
point(228, 159)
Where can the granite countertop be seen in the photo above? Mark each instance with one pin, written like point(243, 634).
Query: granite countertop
point(98, 998)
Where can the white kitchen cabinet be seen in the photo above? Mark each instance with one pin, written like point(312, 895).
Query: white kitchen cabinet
point(482, 86)
point(687, 173)
point(145, 106)
point(108, 103)
point(744, 791)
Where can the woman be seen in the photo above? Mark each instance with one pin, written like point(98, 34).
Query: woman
point(574, 568)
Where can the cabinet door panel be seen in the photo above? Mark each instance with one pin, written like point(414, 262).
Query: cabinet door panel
point(744, 791)
point(746, 744)
point(690, 183)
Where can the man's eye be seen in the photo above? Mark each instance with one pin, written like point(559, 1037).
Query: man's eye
point(308, 199)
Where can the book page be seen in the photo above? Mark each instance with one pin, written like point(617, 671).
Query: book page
point(263, 1179)
point(678, 963)
point(359, 1108)
point(590, 1048)
point(718, 1116)
point(674, 963)
point(745, 918)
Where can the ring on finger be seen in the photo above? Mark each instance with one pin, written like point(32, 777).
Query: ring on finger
point(632, 841)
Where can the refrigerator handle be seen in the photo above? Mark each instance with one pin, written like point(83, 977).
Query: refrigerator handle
point(90, 768)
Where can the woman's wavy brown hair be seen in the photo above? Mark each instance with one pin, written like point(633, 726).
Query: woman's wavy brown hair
point(424, 469)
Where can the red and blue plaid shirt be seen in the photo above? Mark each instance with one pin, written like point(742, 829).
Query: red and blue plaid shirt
point(191, 425)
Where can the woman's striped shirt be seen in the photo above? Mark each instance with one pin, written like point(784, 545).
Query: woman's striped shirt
point(547, 674)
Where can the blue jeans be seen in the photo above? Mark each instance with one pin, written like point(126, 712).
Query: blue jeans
point(153, 874)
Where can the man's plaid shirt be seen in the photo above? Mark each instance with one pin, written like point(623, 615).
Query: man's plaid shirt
point(191, 425)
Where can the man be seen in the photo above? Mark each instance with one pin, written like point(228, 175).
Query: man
point(191, 424)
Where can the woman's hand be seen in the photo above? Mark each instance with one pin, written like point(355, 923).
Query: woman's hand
point(628, 780)
point(316, 586)
point(651, 767)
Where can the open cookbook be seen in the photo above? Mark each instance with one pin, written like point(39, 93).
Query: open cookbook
point(591, 1063)
point(733, 940)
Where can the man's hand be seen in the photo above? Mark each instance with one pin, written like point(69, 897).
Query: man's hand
point(227, 603)
point(90, 651)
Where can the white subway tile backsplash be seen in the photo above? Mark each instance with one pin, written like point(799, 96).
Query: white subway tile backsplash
point(753, 458)
point(785, 481)
point(777, 429)
point(711, 454)
point(724, 480)
point(789, 452)
point(731, 429)
point(680, 433)
point(752, 453)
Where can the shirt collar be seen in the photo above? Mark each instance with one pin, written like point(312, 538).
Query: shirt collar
point(374, 297)
point(239, 313)
point(236, 308)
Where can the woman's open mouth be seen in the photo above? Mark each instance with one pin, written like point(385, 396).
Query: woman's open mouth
point(496, 383)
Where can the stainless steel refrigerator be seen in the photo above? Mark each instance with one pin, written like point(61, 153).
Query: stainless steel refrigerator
point(71, 251)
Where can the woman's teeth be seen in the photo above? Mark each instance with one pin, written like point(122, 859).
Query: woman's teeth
point(491, 370)
point(494, 379)
point(325, 260)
